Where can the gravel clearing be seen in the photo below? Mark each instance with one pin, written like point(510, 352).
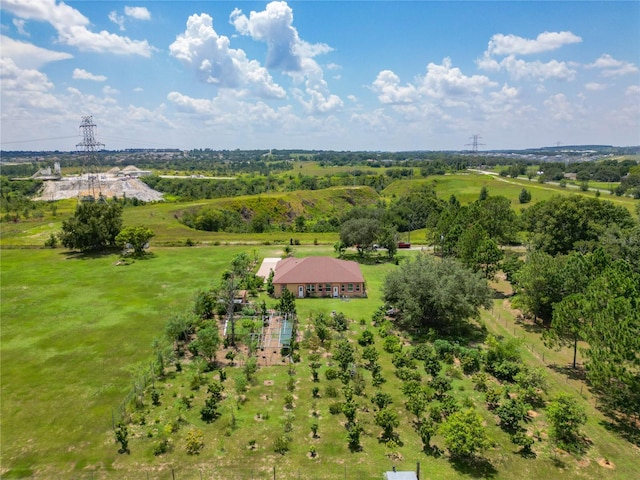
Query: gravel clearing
point(110, 186)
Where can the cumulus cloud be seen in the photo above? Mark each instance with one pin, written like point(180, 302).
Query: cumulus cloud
point(216, 63)
point(442, 82)
point(610, 67)
point(274, 26)
point(519, 69)
point(27, 55)
point(387, 87)
point(25, 89)
point(510, 46)
point(139, 13)
point(72, 27)
point(446, 81)
point(287, 52)
point(514, 45)
point(81, 74)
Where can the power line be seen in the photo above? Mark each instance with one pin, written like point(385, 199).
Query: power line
point(33, 140)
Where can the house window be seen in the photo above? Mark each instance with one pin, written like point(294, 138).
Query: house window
point(320, 287)
point(327, 286)
point(350, 287)
point(342, 287)
point(311, 287)
point(357, 287)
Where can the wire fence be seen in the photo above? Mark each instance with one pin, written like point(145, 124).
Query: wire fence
point(276, 472)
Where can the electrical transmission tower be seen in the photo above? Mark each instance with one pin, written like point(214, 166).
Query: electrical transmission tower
point(89, 145)
point(474, 143)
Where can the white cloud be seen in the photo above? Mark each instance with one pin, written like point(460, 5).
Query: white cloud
point(81, 74)
point(19, 24)
point(510, 46)
point(110, 91)
point(559, 107)
point(24, 91)
point(610, 67)
point(595, 86)
point(274, 26)
point(287, 52)
point(214, 62)
point(445, 81)
point(519, 69)
point(117, 19)
point(632, 90)
point(27, 55)
point(139, 13)
point(387, 87)
point(514, 45)
point(72, 27)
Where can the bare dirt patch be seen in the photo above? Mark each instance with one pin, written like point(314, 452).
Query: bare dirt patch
point(603, 462)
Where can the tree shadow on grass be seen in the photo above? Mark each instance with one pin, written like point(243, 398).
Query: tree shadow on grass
point(475, 467)
point(87, 255)
point(579, 373)
point(624, 430)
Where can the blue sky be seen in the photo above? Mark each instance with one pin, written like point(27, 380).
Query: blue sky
point(361, 75)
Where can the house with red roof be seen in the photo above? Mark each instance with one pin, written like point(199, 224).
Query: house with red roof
point(319, 277)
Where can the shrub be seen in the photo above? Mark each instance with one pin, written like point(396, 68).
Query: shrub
point(403, 359)
point(391, 344)
point(335, 408)
point(365, 338)
point(523, 440)
point(331, 373)
point(381, 400)
point(406, 374)
point(331, 391)
point(281, 444)
point(195, 441)
point(161, 447)
point(511, 413)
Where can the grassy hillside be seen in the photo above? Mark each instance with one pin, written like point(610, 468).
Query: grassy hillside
point(466, 187)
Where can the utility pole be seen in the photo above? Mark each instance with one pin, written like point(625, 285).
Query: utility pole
point(89, 145)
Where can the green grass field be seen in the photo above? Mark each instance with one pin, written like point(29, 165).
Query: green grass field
point(76, 329)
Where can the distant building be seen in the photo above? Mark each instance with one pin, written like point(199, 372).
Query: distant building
point(319, 277)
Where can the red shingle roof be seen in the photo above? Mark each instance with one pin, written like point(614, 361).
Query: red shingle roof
point(317, 270)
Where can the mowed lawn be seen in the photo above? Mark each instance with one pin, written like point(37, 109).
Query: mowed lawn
point(74, 328)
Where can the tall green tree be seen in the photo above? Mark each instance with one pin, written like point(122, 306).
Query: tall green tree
point(361, 233)
point(567, 222)
point(435, 293)
point(611, 310)
point(207, 342)
point(287, 303)
point(539, 284)
point(94, 226)
point(136, 238)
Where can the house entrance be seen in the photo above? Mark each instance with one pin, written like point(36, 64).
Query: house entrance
point(300, 291)
point(335, 291)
